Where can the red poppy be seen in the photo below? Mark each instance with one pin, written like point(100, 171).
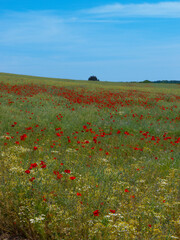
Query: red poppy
point(35, 148)
point(79, 194)
point(27, 171)
point(59, 176)
point(56, 172)
point(67, 171)
point(112, 211)
point(44, 199)
point(29, 128)
point(23, 137)
point(31, 180)
point(126, 190)
point(72, 178)
point(33, 165)
point(43, 166)
point(96, 213)
point(42, 163)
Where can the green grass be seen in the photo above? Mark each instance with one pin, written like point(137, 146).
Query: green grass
point(134, 172)
point(172, 89)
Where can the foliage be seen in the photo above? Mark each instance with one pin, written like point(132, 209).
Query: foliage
point(167, 81)
point(93, 78)
point(146, 81)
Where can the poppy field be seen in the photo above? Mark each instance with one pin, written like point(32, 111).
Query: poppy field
point(89, 160)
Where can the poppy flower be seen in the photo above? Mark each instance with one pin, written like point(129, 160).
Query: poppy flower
point(31, 180)
point(112, 211)
point(79, 194)
point(96, 213)
point(72, 178)
point(67, 171)
point(43, 166)
point(126, 190)
point(56, 172)
point(42, 163)
point(23, 137)
point(59, 176)
point(27, 171)
point(29, 128)
point(44, 199)
point(33, 165)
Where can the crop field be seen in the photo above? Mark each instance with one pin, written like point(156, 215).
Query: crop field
point(83, 160)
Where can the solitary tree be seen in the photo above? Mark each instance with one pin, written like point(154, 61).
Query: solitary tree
point(93, 78)
point(146, 81)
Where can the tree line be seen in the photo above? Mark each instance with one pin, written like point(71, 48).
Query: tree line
point(162, 81)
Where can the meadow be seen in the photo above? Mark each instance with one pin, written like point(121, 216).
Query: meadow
point(89, 160)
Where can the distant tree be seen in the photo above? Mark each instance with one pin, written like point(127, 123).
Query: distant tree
point(168, 81)
point(93, 78)
point(146, 81)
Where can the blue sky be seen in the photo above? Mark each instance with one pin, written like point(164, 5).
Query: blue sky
point(114, 40)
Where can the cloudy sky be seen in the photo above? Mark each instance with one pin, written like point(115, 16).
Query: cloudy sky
point(115, 40)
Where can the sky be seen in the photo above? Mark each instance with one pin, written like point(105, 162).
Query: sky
point(121, 40)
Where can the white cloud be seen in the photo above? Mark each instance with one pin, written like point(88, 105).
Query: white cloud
point(161, 9)
point(97, 20)
point(35, 27)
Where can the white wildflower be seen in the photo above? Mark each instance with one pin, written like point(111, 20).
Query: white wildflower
point(70, 150)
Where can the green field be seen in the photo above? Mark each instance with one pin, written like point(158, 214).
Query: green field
point(89, 160)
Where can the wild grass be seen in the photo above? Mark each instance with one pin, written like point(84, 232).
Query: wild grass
point(86, 160)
